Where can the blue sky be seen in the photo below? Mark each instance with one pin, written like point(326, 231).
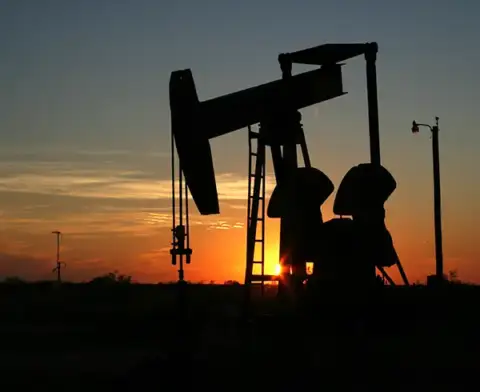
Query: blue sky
point(84, 89)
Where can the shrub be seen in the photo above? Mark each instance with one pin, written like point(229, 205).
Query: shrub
point(112, 278)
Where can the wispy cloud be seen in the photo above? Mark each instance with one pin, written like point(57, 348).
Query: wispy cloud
point(113, 185)
point(87, 197)
point(70, 154)
point(103, 180)
point(112, 207)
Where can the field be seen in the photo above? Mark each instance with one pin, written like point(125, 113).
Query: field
point(133, 336)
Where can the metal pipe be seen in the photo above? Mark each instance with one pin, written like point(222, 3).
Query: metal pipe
point(372, 96)
point(187, 224)
point(180, 218)
point(174, 256)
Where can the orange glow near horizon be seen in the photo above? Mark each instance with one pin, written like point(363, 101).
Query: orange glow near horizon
point(138, 244)
point(86, 131)
point(112, 220)
point(278, 269)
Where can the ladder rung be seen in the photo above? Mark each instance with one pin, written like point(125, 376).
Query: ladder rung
point(264, 278)
point(258, 197)
point(257, 262)
point(261, 220)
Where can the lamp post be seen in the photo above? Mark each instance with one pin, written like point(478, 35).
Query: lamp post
point(436, 196)
point(59, 264)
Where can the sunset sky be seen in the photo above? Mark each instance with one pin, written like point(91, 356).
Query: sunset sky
point(85, 123)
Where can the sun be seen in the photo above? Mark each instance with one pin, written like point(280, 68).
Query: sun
point(278, 269)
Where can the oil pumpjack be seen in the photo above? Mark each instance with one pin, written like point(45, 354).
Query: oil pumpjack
point(296, 200)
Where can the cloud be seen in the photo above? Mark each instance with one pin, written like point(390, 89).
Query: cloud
point(237, 206)
point(69, 154)
point(90, 199)
point(76, 176)
point(112, 207)
point(224, 225)
point(105, 221)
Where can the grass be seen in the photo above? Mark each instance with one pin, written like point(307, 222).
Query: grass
point(104, 337)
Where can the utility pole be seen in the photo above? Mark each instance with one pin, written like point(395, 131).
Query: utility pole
point(436, 196)
point(59, 264)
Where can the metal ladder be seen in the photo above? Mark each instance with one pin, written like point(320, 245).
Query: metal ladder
point(255, 269)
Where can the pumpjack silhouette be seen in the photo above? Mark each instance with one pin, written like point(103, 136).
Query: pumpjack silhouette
point(346, 250)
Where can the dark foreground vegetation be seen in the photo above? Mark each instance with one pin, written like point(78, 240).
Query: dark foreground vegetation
point(118, 335)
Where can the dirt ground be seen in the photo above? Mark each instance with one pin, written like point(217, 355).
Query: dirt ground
point(128, 338)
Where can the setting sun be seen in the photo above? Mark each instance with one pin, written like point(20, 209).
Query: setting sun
point(278, 269)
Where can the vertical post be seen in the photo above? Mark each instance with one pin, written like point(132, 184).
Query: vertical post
point(437, 203)
point(373, 120)
point(248, 263)
point(289, 162)
point(180, 232)
point(264, 185)
point(58, 264)
point(172, 152)
point(372, 96)
point(187, 226)
point(59, 276)
point(180, 214)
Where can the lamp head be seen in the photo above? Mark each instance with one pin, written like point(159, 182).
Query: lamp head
point(415, 127)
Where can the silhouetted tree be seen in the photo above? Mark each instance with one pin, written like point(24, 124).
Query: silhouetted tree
point(13, 280)
point(231, 283)
point(112, 278)
point(453, 276)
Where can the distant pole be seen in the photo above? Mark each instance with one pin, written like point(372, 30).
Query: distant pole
point(59, 264)
point(436, 195)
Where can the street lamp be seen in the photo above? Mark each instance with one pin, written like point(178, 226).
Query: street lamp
point(59, 263)
point(436, 196)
